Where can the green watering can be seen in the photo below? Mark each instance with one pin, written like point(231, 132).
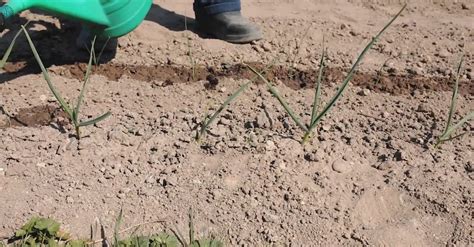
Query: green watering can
point(106, 18)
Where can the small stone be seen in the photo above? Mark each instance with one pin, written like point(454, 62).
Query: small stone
point(222, 89)
point(470, 75)
point(262, 120)
point(41, 164)
point(270, 145)
point(124, 191)
point(443, 53)
point(225, 121)
point(43, 97)
point(385, 165)
point(4, 121)
point(422, 108)
point(364, 92)
point(385, 114)
point(400, 155)
point(270, 218)
point(218, 131)
point(150, 180)
point(69, 200)
point(326, 127)
point(470, 167)
point(341, 166)
point(2, 171)
point(267, 46)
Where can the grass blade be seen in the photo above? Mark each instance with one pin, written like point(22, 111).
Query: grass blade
point(10, 48)
point(60, 99)
point(191, 226)
point(454, 97)
point(95, 120)
point(242, 88)
point(280, 99)
point(86, 80)
point(450, 131)
point(97, 60)
point(338, 94)
point(317, 94)
point(221, 108)
point(179, 236)
point(118, 222)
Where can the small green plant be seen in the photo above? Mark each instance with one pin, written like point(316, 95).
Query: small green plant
point(208, 120)
point(72, 112)
point(46, 232)
point(316, 116)
point(447, 135)
point(40, 231)
point(205, 242)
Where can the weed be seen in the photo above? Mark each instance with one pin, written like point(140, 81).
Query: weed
point(40, 231)
point(208, 120)
point(72, 112)
point(447, 135)
point(206, 242)
point(46, 232)
point(317, 117)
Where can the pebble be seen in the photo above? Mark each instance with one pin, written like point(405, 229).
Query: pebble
point(326, 127)
point(386, 165)
point(341, 166)
point(150, 180)
point(270, 145)
point(470, 75)
point(443, 53)
point(422, 108)
point(469, 167)
point(262, 120)
point(41, 164)
point(2, 171)
point(267, 46)
point(225, 121)
point(219, 131)
point(69, 200)
point(365, 92)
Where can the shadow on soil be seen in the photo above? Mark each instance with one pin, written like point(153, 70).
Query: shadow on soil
point(55, 42)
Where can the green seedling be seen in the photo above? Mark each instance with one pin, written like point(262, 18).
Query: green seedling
point(39, 231)
point(317, 117)
point(10, 48)
point(72, 112)
point(447, 135)
point(208, 120)
point(193, 242)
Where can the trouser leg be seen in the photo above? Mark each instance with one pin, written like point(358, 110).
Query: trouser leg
point(213, 7)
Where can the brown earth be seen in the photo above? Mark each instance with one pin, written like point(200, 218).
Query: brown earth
point(370, 177)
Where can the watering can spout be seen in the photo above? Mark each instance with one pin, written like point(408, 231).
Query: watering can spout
point(112, 18)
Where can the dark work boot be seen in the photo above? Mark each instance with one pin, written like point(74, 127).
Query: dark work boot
point(228, 26)
point(85, 38)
